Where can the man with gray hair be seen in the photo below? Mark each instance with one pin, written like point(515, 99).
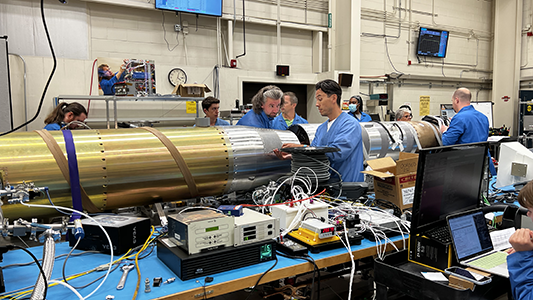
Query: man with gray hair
point(265, 106)
point(288, 114)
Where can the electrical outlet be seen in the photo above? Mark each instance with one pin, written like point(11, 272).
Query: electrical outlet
point(177, 27)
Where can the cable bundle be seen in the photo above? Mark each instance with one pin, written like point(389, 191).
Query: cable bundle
point(311, 165)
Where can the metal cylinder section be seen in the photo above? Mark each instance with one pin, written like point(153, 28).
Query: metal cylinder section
point(129, 167)
point(384, 138)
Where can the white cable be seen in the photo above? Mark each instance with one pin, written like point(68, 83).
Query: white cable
point(90, 218)
point(67, 286)
point(204, 207)
point(352, 273)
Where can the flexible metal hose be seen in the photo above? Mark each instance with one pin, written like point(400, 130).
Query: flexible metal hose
point(48, 265)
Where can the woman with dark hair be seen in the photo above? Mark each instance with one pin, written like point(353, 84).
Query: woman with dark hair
point(64, 114)
point(356, 111)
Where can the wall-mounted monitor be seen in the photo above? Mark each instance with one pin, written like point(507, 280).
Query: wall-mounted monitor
point(201, 7)
point(432, 42)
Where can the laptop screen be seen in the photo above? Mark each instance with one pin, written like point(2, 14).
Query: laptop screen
point(448, 181)
point(470, 234)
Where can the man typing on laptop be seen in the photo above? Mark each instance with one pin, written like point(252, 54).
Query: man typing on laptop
point(520, 260)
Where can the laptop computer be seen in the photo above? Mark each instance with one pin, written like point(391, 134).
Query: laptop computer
point(473, 244)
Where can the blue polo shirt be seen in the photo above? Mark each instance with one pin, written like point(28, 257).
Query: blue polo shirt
point(256, 120)
point(468, 126)
point(279, 122)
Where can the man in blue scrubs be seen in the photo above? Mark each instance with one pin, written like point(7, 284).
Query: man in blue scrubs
point(288, 114)
point(468, 125)
point(211, 107)
point(340, 131)
point(265, 107)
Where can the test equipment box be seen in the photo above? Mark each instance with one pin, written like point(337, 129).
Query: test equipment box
point(125, 232)
point(187, 266)
point(286, 213)
point(201, 230)
point(253, 227)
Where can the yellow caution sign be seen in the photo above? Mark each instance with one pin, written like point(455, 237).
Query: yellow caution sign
point(424, 106)
point(191, 107)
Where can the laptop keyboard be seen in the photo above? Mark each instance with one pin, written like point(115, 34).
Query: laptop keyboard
point(441, 234)
point(490, 261)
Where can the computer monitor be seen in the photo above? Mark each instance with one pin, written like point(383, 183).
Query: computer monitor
point(515, 165)
point(432, 42)
point(448, 180)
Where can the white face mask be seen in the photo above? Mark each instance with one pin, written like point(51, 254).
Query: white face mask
point(352, 107)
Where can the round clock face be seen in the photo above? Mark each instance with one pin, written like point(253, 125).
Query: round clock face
point(177, 76)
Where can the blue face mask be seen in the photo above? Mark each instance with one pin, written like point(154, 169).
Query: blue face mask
point(353, 107)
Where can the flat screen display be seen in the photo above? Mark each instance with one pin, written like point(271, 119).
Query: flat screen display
point(432, 42)
point(448, 181)
point(202, 7)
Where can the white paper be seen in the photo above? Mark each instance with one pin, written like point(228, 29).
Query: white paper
point(408, 195)
point(500, 238)
point(434, 276)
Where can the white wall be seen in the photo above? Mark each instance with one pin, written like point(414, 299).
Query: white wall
point(84, 30)
point(469, 49)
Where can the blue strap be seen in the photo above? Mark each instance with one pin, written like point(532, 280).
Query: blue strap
point(74, 174)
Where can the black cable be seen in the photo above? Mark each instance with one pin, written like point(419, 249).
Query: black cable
point(47, 82)
point(97, 279)
point(261, 277)
point(316, 270)
point(396, 124)
point(37, 263)
point(386, 130)
point(59, 256)
point(66, 259)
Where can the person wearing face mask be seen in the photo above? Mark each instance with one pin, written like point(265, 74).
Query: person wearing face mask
point(355, 106)
point(265, 107)
point(107, 79)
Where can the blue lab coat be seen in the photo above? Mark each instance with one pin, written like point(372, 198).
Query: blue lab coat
point(345, 134)
point(520, 266)
point(279, 122)
point(219, 122)
point(107, 85)
point(256, 120)
point(468, 126)
point(52, 126)
point(364, 117)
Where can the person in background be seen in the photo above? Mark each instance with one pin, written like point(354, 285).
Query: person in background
point(265, 107)
point(520, 259)
point(288, 114)
point(339, 131)
point(107, 79)
point(64, 114)
point(468, 125)
point(356, 109)
point(211, 106)
point(403, 114)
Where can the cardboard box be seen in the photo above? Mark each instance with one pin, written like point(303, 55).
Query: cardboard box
point(395, 181)
point(191, 90)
